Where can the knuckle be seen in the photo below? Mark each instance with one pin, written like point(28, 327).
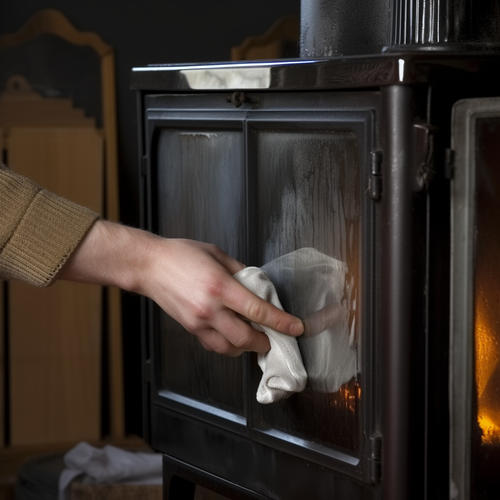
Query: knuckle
point(222, 346)
point(243, 341)
point(215, 285)
point(192, 325)
point(207, 340)
point(215, 248)
point(255, 311)
point(279, 325)
point(202, 311)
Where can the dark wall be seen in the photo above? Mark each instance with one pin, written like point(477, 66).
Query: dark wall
point(154, 32)
point(151, 31)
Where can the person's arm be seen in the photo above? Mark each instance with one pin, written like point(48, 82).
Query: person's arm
point(38, 229)
point(189, 280)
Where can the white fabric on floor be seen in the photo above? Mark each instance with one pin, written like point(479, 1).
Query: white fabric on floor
point(109, 465)
point(282, 367)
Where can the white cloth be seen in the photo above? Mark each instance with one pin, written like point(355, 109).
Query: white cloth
point(282, 367)
point(309, 281)
point(109, 465)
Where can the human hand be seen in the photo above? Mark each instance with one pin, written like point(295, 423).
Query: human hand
point(189, 280)
point(193, 283)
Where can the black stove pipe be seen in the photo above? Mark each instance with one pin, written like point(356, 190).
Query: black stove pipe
point(356, 27)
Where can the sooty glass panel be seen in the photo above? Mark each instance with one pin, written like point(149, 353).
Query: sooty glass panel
point(486, 425)
point(201, 195)
point(307, 230)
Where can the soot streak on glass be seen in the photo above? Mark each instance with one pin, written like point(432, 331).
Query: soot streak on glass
point(308, 230)
point(201, 196)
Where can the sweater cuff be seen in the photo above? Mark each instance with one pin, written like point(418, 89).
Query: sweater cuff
point(49, 232)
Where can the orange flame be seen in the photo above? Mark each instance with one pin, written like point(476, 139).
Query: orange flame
point(487, 358)
point(347, 397)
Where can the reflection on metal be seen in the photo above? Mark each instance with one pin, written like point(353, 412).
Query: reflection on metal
point(216, 76)
point(230, 65)
point(401, 69)
point(203, 407)
point(337, 454)
point(227, 78)
point(308, 74)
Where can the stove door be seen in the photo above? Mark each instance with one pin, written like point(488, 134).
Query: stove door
point(475, 313)
point(282, 184)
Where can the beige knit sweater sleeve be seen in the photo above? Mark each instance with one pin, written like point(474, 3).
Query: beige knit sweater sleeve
point(38, 229)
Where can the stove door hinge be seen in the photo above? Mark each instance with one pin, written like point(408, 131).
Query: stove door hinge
point(375, 458)
point(375, 179)
point(423, 134)
point(449, 163)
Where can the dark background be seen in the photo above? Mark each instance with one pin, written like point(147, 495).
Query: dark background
point(141, 33)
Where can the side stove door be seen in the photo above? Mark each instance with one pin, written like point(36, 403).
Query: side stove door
point(475, 301)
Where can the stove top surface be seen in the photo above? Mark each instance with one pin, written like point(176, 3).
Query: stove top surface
point(311, 74)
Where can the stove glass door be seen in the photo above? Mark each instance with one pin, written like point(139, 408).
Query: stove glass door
point(307, 207)
point(475, 332)
point(283, 187)
point(201, 196)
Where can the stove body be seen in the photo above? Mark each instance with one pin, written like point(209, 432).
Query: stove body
point(386, 162)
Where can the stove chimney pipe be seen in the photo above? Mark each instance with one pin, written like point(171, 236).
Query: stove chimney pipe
point(355, 27)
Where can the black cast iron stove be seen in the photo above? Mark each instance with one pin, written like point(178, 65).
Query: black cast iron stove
point(379, 147)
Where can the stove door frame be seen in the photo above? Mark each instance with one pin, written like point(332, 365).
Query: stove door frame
point(465, 115)
point(362, 107)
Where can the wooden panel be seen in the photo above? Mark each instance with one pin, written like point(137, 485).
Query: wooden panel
point(66, 161)
point(2, 340)
point(272, 44)
point(55, 333)
point(2, 367)
point(117, 491)
point(20, 106)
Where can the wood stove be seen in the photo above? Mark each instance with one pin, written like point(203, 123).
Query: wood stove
point(386, 162)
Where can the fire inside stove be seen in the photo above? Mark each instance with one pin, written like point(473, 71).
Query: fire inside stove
point(487, 361)
point(348, 397)
point(487, 290)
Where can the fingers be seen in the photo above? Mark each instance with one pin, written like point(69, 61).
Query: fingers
point(236, 297)
point(240, 334)
point(233, 337)
point(323, 319)
point(232, 265)
point(211, 340)
point(194, 285)
point(239, 299)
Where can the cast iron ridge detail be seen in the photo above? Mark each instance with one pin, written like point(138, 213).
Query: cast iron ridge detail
point(356, 27)
point(443, 22)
